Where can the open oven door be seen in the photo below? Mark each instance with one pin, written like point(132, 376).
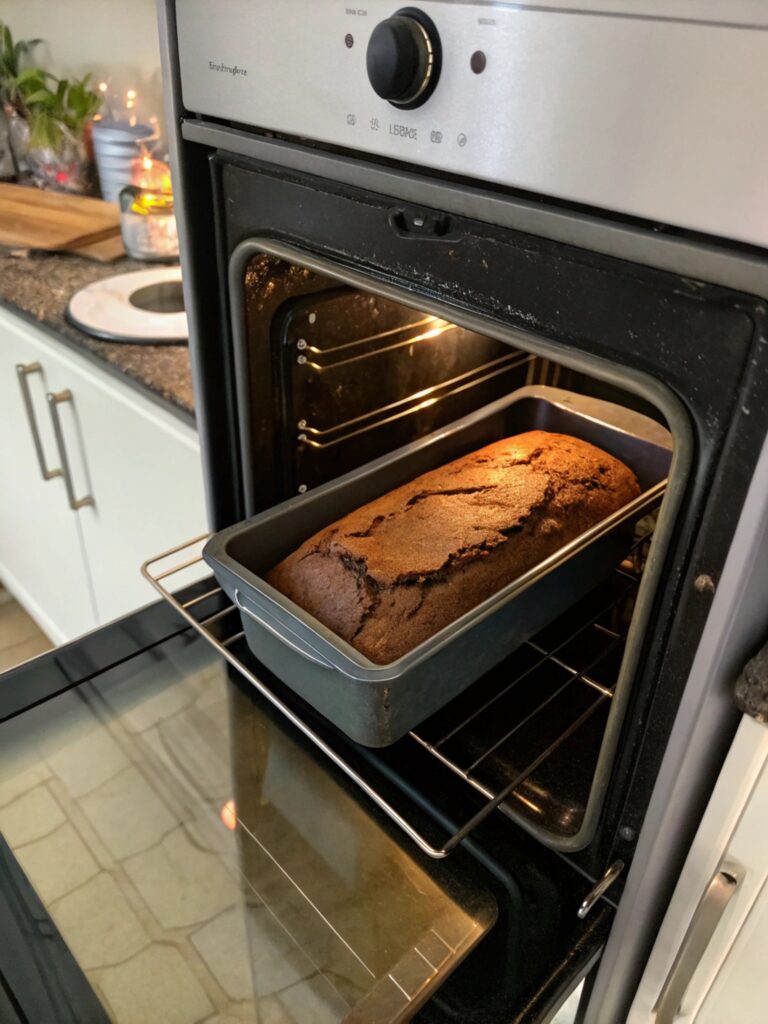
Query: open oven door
point(174, 849)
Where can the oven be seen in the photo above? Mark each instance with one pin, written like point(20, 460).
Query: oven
point(363, 271)
point(392, 219)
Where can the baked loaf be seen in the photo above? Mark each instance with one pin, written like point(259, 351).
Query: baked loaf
point(392, 573)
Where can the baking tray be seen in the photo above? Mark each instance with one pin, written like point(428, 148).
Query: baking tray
point(375, 705)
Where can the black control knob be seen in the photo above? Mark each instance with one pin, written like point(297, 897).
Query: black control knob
point(403, 58)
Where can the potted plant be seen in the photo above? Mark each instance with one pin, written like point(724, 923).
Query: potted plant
point(59, 113)
point(12, 56)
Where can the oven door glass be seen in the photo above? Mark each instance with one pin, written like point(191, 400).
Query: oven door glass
point(196, 859)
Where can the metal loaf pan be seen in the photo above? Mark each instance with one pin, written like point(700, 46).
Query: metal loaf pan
point(373, 704)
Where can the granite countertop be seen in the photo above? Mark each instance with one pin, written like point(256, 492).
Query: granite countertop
point(38, 286)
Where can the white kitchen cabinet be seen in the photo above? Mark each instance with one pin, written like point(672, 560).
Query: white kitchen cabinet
point(134, 471)
point(42, 559)
point(708, 961)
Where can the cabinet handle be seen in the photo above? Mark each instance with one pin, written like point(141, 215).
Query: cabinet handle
point(704, 922)
point(54, 400)
point(22, 372)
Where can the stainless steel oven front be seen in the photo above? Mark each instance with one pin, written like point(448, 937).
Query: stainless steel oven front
point(394, 217)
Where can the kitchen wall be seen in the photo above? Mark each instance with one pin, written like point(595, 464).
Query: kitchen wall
point(117, 41)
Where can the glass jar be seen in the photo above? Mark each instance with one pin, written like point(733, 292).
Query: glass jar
point(64, 169)
point(148, 224)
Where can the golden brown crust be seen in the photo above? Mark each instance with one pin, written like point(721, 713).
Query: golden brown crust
point(392, 573)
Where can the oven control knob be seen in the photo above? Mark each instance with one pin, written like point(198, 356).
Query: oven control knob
point(403, 58)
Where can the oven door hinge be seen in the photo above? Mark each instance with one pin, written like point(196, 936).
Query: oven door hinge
point(600, 888)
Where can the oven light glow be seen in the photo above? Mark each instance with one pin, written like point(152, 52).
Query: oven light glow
point(423, 393)
point(528, 803)
point(431, 334)
point(228, 815)
point(443, 326)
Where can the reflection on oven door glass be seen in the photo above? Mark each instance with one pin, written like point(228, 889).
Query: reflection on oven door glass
point(375, 925)
point(197, 860)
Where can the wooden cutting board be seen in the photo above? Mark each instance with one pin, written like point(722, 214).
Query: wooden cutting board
point(33, 219)
point(106, 251)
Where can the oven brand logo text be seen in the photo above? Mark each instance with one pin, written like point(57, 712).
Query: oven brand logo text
point(226, 68)
point(404, 131)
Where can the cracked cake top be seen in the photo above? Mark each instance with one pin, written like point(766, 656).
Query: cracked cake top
point(392, 573)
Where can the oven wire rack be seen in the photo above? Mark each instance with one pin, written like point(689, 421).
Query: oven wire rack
point(189, 553)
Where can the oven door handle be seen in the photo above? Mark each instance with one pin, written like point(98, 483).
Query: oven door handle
point(297, 644)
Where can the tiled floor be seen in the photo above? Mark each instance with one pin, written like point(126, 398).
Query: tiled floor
point(20, 636)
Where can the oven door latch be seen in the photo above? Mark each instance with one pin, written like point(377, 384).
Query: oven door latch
point(600, 888)
point(424, 224)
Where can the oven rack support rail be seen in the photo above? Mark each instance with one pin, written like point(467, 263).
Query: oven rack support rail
point(162, 580)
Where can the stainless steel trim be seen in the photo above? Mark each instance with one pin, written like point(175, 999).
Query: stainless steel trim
point(706, 918)
point(499, 126)
point(23, 370)
point(600, 889)
point(54, 400)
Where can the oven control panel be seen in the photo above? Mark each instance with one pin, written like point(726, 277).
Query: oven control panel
point(641, 106)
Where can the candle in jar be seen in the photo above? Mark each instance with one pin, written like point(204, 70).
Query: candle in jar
point(150, 174)
point(148, 225)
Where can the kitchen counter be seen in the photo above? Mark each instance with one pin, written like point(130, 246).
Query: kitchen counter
point(38, 286)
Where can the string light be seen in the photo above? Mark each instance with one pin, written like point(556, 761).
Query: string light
point(228, 815)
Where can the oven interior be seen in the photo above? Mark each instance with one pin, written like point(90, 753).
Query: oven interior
point(345, 376)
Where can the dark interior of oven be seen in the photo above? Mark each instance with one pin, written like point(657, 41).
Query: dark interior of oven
point(347, 376)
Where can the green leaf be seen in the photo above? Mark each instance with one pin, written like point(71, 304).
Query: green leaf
point(41, 96)
point(29, 73)
point(45, 131)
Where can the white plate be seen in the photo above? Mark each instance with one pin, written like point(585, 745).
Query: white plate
point(116, 308)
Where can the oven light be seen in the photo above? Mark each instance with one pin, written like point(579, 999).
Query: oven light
point(228, 815)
